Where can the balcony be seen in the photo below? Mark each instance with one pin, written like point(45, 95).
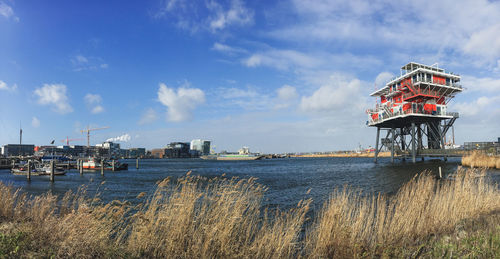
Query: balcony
point(387, 114)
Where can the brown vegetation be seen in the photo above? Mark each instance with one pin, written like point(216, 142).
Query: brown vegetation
point(223, 218)
point(481, 160)
point(350, 154)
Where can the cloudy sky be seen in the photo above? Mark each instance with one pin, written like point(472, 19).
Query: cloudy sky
point(277, 76)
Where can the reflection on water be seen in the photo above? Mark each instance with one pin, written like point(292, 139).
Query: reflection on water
point(288, 180)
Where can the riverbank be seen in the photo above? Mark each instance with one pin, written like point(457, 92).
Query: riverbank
point(365, 154)
point(481, 160)
point(197, 217)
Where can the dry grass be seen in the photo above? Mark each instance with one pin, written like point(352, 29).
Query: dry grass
point(350, 224)
point(197, 217)
point(477, 159)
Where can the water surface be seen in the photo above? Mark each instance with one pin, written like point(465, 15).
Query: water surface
point(288, 180)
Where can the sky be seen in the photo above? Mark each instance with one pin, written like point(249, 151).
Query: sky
point(276, 76)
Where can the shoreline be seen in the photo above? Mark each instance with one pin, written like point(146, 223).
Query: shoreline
point(381, 154)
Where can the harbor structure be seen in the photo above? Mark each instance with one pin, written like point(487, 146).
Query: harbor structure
point(413, 111)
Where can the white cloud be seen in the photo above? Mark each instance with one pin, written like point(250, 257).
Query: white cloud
point(35, 122)
point(7, 12)
point(383, 78)
point(281, 59)
point(340, 94)
point(232, 93)
point(122, 138)
point(180, 103)
point(148, 117)
point(227, 49)
point(93, 102)
point(82, 63)
point(236, 14)
point(481, 84)
point(97, 109)
point(213, 15)
point(466, 27)
point(286, 95)
point(483, 106)
point(55, 96)
point(5, 87)
point(92, 98)
point(287, 92)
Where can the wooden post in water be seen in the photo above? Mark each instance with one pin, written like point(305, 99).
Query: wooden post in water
point(52, 170)
point(102, 167)
point(29, 170)
point(137, 163)
point(113, 165)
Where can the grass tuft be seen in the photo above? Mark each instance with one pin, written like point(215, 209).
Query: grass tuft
point(196, 217)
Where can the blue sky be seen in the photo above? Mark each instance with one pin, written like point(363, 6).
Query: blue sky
point(277, 76)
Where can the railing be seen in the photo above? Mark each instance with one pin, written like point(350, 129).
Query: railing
point(420, 91)
point(428, 80)
point(387, 114)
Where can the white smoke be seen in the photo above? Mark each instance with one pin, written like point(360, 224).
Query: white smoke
point(122, 138)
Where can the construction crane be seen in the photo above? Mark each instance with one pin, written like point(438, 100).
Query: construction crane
point(88, 130)
point(67, 140)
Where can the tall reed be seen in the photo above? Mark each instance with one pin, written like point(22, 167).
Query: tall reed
point(478, 159)
point(351, 224)
point(196, 217)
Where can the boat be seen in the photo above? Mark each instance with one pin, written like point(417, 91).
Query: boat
point(243, 154)
point(37, 169)
point(95, 165)
point(45, 170)
point(233, 157)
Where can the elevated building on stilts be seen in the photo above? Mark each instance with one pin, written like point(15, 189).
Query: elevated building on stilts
point(413, 111)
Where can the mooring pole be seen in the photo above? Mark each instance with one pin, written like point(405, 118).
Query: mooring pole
point(52, 170)
point(413, 153)
point(29, 170)
point(113, 165)
point(393, 138)
point(137, 163)
point(376, 144)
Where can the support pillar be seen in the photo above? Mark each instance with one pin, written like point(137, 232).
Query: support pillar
point(442, 136)
point(413, 151)
point(403, 144)
point(376, 144)
point(393, 131)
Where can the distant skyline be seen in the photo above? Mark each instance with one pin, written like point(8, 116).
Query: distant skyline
point(276, 76)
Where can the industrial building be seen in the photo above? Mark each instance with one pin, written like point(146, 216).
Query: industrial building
point(18, 150)
point(177, 150)
point(413, 110)
point(202, 147)
point(136, 152)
